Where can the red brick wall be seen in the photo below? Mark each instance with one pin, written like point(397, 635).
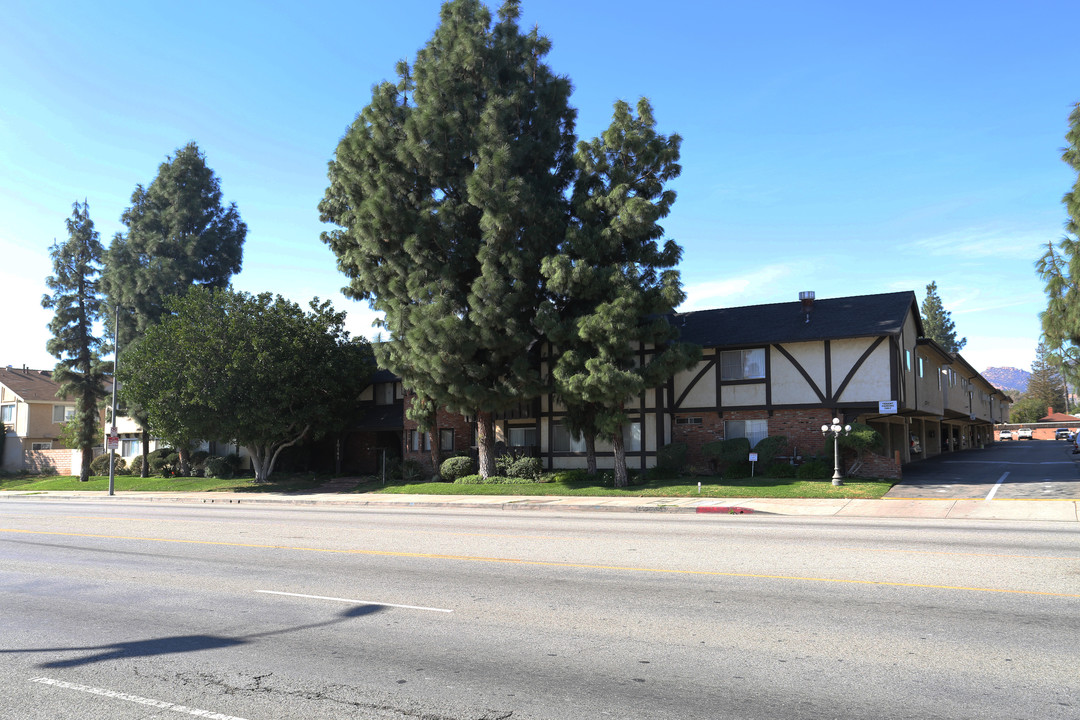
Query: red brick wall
point(60, 461)
point(463, 435)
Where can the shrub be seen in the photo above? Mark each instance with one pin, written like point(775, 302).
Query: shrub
point(165, 465)
point(672, 458)
point(768, 448)
point(780, 470)
point(862, 438)
point(814, 470)
point(723, 453)
point(570, 476)
point(136, 465)
point(741, 469)
point(100, 465)
point(408, 470)
point(456, 467)
point(493, 480)
point(525, 468)
point(215, 466)
point(198, 462)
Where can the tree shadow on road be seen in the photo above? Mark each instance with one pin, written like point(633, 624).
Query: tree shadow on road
point(177, 643)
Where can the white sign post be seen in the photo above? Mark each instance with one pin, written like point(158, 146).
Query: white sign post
point(753, 459)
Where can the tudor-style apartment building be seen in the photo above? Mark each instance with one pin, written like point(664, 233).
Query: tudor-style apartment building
point(777, 369)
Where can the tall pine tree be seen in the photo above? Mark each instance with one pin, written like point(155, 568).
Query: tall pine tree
point(937, 322)
point(179, 234)
point(77, 303)
point(449, 189)
point(1045, 383)
point(1059, 266)
point(613, 285)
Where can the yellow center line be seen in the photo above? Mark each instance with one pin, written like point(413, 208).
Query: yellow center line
point(1069, 558)
point(541, 563)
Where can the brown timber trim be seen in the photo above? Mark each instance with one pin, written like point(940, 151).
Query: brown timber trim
point(694, 382)
point(802, 371)
point(858, 364)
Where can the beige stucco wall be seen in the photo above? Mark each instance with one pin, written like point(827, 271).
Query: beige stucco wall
point(871, 381)
point(703, 394)
point(737, 395)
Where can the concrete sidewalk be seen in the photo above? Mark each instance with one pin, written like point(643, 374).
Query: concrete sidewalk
point(963, 509)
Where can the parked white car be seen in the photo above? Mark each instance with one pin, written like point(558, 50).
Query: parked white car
point(1006, 435)
point(1023, 434)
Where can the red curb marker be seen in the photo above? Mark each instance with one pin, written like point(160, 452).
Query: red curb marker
point(733, 510)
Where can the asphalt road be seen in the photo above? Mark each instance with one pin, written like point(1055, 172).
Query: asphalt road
point(116, 609)
point(1012, 470)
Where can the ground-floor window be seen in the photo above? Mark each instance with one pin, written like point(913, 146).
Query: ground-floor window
point(446, 439)
point(563, 441)
point(753, 430)
point(130, 447)
point(521, 436)
point(41, 446)
point(419, 441)
point(631, 436)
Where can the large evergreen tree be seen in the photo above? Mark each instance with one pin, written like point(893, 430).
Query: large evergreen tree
point(77, 302)
point(937, 322)
point(613, 285)
point(179, 234)
point(1045, 384)
point(449, 189)
point(1059, 266)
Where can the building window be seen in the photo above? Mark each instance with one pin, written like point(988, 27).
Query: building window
point(742, 364)
point(7, 414)
point(384, 393)
point(907, 360)
point(687, 421)
point(41, 446)
point(631, 436)
point(563, 441)
point(62, 413)
point(446, 439)
point(922, 366)
point(522, 437)
point(419, 441)
point(753, 430)
point(130, 447)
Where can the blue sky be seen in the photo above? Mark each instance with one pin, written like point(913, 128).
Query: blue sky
point(845, 148)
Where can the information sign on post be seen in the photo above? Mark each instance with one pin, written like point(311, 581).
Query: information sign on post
point(887, 407)
point(753, 459)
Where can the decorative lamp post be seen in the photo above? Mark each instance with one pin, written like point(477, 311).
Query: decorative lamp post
point(836, 430)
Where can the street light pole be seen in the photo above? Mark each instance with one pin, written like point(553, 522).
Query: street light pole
point(836, 430)
point(112, 431)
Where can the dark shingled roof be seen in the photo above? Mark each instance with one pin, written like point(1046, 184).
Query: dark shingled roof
point(830, 319)
point(30, 385)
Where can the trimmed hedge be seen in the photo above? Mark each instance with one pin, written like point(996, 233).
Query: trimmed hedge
point(456, 467)
point(494, 480)
point(814, 470)
point(671, 458)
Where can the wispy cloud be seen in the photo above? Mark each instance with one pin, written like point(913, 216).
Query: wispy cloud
point(745, 289)
point(981, 243)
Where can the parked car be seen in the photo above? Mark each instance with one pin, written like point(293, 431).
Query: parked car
point(1006, 435)
point(1062, 434)
point(1023, 434)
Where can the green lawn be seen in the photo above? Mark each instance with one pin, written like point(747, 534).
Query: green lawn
point(283, 483)
point(678, 487)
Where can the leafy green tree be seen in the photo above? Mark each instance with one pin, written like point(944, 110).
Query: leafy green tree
point(613, 285)
point(179, 234)
point(937, 322)
point(1045, 384)
point(448, 190)
point(257, 369)
point(1027, 409)
point(77, 303)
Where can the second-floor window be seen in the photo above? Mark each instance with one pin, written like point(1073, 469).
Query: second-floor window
point(384, 393)
point(742, 364)
point(7, 414)
point(62, 413)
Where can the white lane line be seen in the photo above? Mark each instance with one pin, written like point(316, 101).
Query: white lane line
point(160, 704)
point(356, 602)
point(993, 490)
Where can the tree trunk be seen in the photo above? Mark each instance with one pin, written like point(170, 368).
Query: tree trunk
point(84, 467)
point(145, 472)
point(185, 461)
point(435, 452)
point(485, 424)
point(621, 479)
point(590, 454)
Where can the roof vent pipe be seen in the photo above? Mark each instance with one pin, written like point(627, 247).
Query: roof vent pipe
point(806, 297)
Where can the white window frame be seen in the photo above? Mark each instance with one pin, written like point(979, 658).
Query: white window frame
point(130, 446)
point(632, 436)
point(35, 447)
point(753, 430)
point(66, 412)
point(742, 364)
point(419, 441)
point(687, 421)
point(7, 413)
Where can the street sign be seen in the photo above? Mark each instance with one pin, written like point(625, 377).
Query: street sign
point(887, 407)
point(113, 433)
point(113, 443)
